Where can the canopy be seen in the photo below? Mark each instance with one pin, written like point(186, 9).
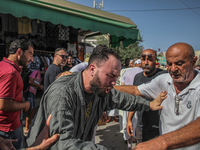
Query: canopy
point(72, 14)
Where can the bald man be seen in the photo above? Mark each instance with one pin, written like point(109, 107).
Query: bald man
point(179, 118)
point(148, 122)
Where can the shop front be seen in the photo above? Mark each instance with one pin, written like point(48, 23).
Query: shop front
point(50, 24)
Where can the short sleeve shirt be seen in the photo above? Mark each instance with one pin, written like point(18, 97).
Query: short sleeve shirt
point(11, 86)
point(37, 79)
point(50, 75)
point(189, 103)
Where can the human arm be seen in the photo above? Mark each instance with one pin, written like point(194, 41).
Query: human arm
point(6, 144)
point(129, 124)
point(32, 83)
point(130, 89)
point(63, 74)
point(129, 102)
point(43, 141)
point(7, 104)
point(185, 136)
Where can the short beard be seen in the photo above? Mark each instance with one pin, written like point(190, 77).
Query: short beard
point(96, 86)
point(150, 69)
point(22, 61)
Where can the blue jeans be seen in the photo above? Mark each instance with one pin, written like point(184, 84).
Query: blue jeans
point(31, 99)
point(16, 134)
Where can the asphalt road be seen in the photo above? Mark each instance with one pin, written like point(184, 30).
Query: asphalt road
point(109, 135)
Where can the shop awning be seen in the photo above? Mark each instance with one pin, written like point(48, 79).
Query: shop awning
point(72, 14)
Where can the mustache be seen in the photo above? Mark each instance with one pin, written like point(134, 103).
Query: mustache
point(146, 67)
point(176, 72)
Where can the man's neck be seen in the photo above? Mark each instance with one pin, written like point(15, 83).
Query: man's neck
point(61, 67)
point(150, 74)
point(13, 59)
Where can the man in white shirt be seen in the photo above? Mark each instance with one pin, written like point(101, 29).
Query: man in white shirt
point(179, 118)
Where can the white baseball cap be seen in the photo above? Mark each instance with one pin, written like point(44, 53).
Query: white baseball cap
point(138, 61)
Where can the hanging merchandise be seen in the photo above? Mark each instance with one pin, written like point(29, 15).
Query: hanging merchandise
point(71, 49)
point(38, 28)
point(63, 33)
point(73, 34)
point(8, 23)
point(51, 43)
point(51, 30)
point(24, 25)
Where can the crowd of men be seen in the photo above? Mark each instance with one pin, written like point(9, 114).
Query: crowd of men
point(72, 105)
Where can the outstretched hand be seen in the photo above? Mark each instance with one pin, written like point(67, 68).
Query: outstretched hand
point(155, 104)
point(6, 144)
point(43, 141)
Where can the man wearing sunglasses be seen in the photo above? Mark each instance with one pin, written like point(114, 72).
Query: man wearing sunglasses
point(60, 60)
point(148, 121)
point(179, 118)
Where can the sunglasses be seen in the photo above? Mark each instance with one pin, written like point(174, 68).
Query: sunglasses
point(149, 56)
point(63, 56)
point(177, 101)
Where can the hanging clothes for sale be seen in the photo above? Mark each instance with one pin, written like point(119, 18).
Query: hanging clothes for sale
point(8, 23)
point(38, 28)
point(73, 34)
point(63, 33)
point(24, 25)
point(51, 30)
point(71, 48)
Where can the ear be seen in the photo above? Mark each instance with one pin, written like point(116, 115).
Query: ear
point(19, 52)
point(92, 69)
point(194, 60)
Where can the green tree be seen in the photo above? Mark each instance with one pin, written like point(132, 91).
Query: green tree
point(103, 40)
point(132, 51)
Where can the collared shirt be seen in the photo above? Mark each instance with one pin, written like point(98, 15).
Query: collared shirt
point(66, 102)
point(11, 86)
point(189, 103)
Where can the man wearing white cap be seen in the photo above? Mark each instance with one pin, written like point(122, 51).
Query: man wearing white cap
point(148, 122)
point(127, 79)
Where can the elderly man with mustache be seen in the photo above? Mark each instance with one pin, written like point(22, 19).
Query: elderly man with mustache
point(179, 118)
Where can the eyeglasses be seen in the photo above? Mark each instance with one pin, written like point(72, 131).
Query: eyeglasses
point(177, 100)
point(63, 56)
point(149, 56)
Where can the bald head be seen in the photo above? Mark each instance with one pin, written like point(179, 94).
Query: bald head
point(148, 60)
point(150, 51)
point(181, 61)
point(181, 48)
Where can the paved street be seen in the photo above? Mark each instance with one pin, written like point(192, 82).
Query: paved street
point(109, 136)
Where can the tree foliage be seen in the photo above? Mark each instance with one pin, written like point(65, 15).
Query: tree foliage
point(102, 40)
point(132, 51)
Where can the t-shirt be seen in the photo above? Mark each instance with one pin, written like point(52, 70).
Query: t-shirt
point(11, 86)
point(148, 121)
point(129, 75)
point(79, 67)
point(37, 79)
point(189, 103)
point(66, 68)
point(50, 75)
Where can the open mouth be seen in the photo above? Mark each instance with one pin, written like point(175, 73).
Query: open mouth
point(108, 89)
point(175, 75)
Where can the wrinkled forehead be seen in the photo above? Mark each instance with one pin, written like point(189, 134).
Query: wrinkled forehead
point(177, 54)
point(112, 65)
point(149, 52)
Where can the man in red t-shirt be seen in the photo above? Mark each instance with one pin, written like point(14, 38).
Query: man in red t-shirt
point(11, 86)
